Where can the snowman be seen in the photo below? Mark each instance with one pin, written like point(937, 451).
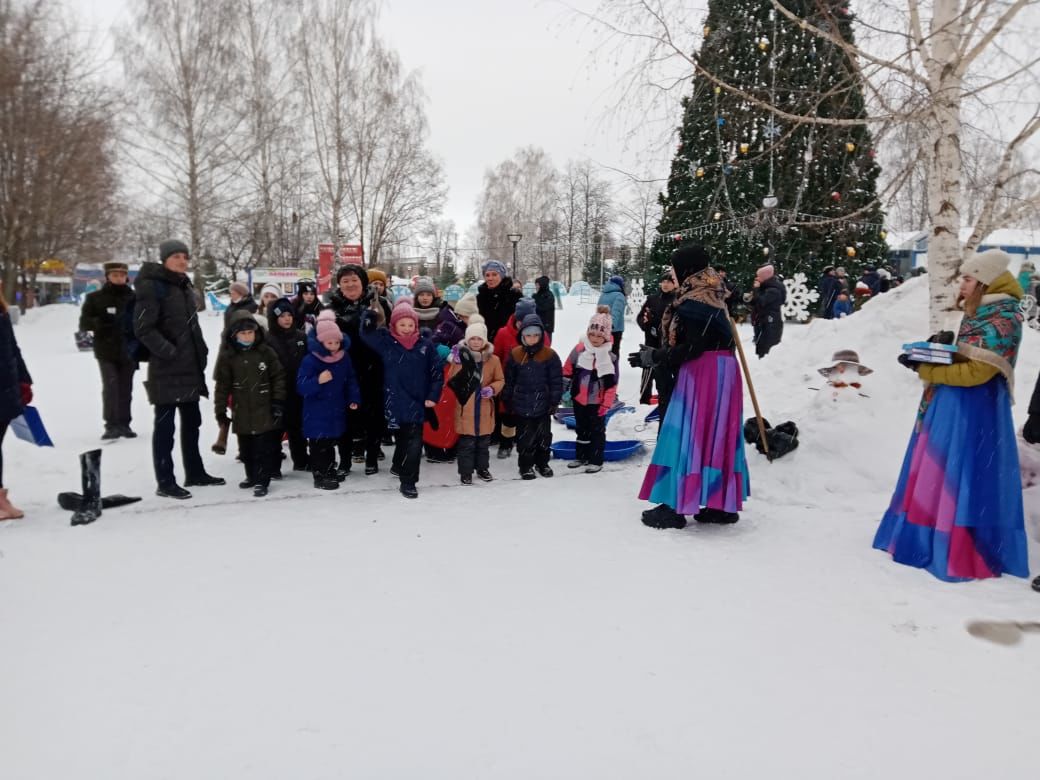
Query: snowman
point(844, 377)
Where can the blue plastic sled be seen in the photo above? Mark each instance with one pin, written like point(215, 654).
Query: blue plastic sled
point(570, 422)
point(29, 427)
point(615, 450)
point(654, 415)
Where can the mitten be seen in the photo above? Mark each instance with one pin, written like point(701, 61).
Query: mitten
point(26, 392)
point(487, 392)
point(1031, 430)
point(431, 417)
point(942, 337)
point(906, 362)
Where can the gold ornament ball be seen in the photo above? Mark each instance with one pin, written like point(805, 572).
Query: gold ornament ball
point(850, 251)
point(744, 148)
point(700, 173)
point(850, 147)
point(884, 234)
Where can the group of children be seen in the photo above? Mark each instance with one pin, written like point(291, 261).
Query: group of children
point(296, 379)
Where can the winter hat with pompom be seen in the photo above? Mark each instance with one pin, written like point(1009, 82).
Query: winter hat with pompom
point(326, 328)
point(466, 306)
point(986, 266)
point(618, 280)
point(765, 272)
point(425, 285)
point(476, 327)
point(403, 310)
point(601, 322)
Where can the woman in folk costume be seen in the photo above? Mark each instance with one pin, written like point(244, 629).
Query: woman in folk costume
point(699, 459)
point(957, 507)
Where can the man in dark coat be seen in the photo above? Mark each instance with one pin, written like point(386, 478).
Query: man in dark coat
point(166, 322)
point(496, 298)
point(545, 304)
point(872, 279)
point(108, 313)
point(649, 321)
point(767, 296)
point(830, 289)
point(367, 423)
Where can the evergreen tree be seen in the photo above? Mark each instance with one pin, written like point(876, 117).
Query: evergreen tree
point(447, 277)
point(732, 154)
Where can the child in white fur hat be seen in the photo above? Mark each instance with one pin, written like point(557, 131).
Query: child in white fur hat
point(476, 377)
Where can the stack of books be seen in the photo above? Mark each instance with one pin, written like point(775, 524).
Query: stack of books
point(930, 352)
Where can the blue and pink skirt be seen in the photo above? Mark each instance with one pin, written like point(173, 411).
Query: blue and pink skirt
point(699, 458)
point(957, 508)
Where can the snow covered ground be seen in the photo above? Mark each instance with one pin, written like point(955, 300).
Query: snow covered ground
point(512, 630)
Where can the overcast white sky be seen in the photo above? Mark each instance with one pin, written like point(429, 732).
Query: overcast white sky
point(499, 74)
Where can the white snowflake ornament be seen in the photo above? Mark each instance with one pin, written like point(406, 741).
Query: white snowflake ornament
point(799, 298)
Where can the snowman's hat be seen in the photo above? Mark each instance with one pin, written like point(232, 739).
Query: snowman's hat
point(847, 357)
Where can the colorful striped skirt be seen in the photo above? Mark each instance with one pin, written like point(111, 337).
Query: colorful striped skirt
point(957, 508)
point(699, 458)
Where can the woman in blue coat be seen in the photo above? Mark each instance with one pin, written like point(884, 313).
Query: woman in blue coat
point(15, 395)
point(613, 296)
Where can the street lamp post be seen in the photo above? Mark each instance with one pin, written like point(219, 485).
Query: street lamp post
point(515, 239)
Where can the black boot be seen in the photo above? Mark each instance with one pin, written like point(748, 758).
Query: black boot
point(663, 516)
point(1036, 584)
point(717, 516)
point(90, 471)
point(73, 502)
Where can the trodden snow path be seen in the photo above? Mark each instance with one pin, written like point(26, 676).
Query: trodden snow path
point(509, 630)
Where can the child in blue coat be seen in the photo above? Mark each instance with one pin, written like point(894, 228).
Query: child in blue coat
point(327, 383)
point(412, 381)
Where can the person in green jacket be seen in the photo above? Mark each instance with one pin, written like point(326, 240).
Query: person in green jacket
point(251, 378)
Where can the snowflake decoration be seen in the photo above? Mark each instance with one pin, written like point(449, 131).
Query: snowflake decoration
point(799, 298)
point(772, 131)
point(636, 298)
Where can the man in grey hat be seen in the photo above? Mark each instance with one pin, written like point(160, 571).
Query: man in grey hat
point(166, 322)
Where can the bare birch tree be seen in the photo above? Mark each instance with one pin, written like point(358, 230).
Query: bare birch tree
point(178, 57)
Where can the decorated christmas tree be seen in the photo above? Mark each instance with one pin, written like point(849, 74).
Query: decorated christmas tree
point(755, 187)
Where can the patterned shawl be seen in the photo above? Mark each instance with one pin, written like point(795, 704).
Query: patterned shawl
point(993, 335)
point(704, 287)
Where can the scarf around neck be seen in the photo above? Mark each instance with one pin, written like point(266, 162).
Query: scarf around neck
point(598, 359)
point(705, 287)
point(327, 358)
point(408, 341)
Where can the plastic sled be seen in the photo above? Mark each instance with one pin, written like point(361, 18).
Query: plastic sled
point(653, 416)
point(570, 421)
point(614, 450)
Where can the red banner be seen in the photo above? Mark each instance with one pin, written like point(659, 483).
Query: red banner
point(326, 252)
point(351, 253)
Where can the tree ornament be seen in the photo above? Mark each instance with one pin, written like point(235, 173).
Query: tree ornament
point(763, 43)
point(765, 251)
point(883, 234)
point(872, 153)
point(850, 251)
point(699, 173)
point(717, 215)
point(720, 121)
point(707, 31)
point(677, 237)
point(850, 147)
point(744, 148)
point(717, 90)
point(835, 196)
point(727, 169)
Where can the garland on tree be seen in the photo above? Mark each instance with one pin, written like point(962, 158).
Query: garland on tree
point(753, 188)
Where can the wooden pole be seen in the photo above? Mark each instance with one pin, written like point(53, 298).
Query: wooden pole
point(750, 385)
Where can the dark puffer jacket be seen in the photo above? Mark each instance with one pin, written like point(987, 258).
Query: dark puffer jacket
point(497, 305)
point(545, 304)
point(325, 405)
point(254, 379)
point(534, 377)
point(412, 376)
point(450, 328)
point(766, 302)
point(166, 322)
point(649, 318)
point(290, 345)
point(105, 313)
point(12, 372)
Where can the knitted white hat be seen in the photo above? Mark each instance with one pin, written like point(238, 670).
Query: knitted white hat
point(986, 266)
point(476, 327)
point(466, 306)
